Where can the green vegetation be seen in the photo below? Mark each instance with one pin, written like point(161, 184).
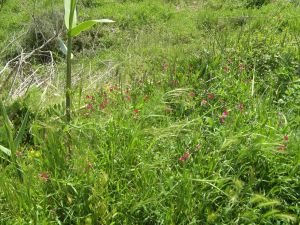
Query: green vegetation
point(184, 112)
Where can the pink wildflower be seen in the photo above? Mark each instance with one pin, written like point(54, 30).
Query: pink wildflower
point(136, 111)
point(89, 106)
point(286, 138)
point(225, 114)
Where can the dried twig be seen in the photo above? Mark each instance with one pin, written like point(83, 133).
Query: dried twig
point(18, 71)
point(25, 56)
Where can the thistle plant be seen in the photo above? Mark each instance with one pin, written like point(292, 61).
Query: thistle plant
point(73, 30)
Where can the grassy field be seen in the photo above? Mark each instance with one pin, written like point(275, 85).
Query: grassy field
point(184, 112)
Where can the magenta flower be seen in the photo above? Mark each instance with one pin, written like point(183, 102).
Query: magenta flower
point(136, 111)
point(286, 138)
point(89, 106)
point(225, 114)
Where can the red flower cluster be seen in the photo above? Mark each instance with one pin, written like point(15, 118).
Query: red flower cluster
point(44, 176)
point(89, 106)
point(282, 147)
point(210, 96)
point(128, 98)
point(112, 88)
point(184, 157)
point(90, 97)
point(224, 115)
point(103, 104)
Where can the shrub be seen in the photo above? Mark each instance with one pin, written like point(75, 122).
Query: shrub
point(43, 28)
point(256, 3)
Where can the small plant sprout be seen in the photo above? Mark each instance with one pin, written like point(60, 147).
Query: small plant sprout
point(73, 30)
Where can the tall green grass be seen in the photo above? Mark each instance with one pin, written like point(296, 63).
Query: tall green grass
point(198, 124)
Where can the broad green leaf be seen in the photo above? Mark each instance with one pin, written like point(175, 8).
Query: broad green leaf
point(21, 132)
point(5, 150)
point(69, 5)
point(87, 25)
point(63, 48)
